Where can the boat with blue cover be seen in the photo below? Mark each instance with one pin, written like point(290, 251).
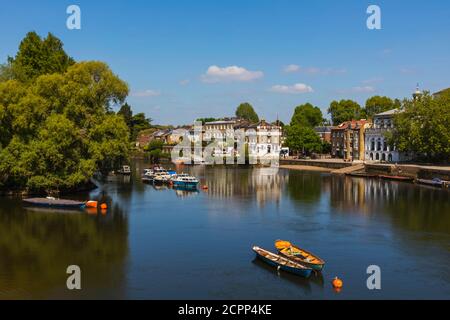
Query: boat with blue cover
point(282, 263)
point(185, 181)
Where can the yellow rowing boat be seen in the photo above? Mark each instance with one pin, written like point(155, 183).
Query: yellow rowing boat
point(306, 258)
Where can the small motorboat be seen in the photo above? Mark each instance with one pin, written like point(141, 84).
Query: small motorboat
point(161, 176)
point(436, 182)
point(282, 263)
point(185, 181)
point(397, 178)
point(294, 253)
point(125, 170)
point(55, 203)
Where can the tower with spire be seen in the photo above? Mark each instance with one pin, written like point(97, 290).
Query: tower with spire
point(417, 94)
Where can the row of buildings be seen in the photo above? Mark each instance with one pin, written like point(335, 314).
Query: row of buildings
point(263, 138)
point(365, 140)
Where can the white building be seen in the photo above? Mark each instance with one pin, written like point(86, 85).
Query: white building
point(376, 146)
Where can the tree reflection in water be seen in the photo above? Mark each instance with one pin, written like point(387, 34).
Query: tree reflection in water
point(37, 246)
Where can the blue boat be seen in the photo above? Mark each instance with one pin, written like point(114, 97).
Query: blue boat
point(185, 181)
point(282, 263)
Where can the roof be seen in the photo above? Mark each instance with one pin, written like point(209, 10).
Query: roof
point(323, 129)
point(353, 124)
point(389, 113)
point(220, 122)
point(441, 92)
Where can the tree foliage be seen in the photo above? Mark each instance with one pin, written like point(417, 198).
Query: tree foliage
point(378, 104)
point(345, 110)
point(38, 56)
point(302, 139)
point(57, 130)
point(423, 128)
point(135, 123)
point(246, 111)
point(307, 115)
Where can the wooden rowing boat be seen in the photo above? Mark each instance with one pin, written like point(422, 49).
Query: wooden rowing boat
point(301, 256)
point(282, 263)
point(435, 182)
point(397, 178)
point(54, 203)
point(362, 175)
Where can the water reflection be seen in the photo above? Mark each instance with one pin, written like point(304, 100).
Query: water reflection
point(37, 246)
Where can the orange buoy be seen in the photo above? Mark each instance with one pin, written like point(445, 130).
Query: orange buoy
point(337, 283)
point(91, 204)
point(205, 187)
point(104, 206)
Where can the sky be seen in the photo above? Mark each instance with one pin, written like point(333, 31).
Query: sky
point(189, 59)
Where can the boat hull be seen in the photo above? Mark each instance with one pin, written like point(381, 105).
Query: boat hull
point(43, 202)
point(314, 266)
point(303, 272)
point(185, 185)
point(317, 265)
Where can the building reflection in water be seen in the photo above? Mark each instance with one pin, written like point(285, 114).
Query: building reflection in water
point(409, 206)
point(263, 185)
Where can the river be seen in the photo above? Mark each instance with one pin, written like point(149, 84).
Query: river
point(158, 243)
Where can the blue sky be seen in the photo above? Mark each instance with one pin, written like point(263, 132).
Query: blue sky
point(164, 49)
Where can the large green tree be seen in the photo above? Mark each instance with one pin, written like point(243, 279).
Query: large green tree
point(423, 128)
point(38, 56)
point(57, 130)
point(307, 115)
point(345, 110)
point(379, 104)
point(246, 111)
point(302, 139)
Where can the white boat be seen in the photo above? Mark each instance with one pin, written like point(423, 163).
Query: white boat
point(126, 170)
point(186, 181)
point(161, 176)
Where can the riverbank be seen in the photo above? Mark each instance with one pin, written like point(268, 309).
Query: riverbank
point(416, 171)
point(305, 168)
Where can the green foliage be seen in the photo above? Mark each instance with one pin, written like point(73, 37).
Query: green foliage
point(246, 111)
point(57, 130)
point(138, 123)
point(307, 115)
point(302, 139)
point(204, 120)
point(127, 114)
point(345, 110)
point(37, 56)
point(154, 145)
point(154, 151)
point(135, 123)
point(378, 104)
point(423, 128)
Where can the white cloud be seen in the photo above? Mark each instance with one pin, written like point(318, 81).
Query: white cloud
point(363, 89)
point(146, 93)
point(185, 82)
point(327, 71)
point(293, 89)
point(373, 80)
point(216, 74)
point(291, 68)
point(358, 89)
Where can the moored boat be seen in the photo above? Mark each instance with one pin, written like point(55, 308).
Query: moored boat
point(436, 182)
point(55, 203)
point(185, 181)
point(125, 170)
point(301, 256)
point(397, 178)
point(282, 263)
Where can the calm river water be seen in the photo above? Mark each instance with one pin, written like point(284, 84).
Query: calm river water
point(167, 244)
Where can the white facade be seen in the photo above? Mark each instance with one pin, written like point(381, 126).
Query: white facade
point(376, 145)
